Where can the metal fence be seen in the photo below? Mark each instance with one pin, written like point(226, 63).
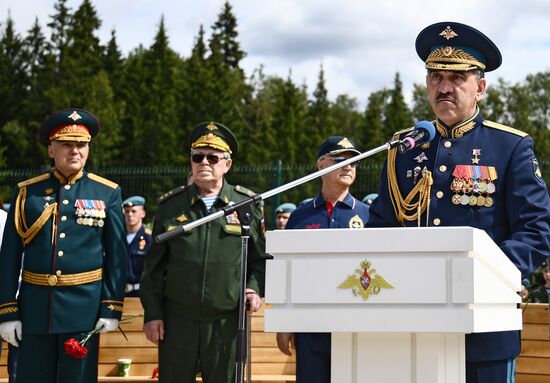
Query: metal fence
point(152, 182)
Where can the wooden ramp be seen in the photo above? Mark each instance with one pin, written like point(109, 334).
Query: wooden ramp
point(533, 365)
point(268, 363)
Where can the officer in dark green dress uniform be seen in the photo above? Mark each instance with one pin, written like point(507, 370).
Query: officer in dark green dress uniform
point(475, 173)
point(190, 285)
point(67, 224)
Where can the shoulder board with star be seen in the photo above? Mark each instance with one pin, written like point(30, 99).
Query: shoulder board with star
point(400, 132)
point(245, 191)
point(496, 125)
point(101, 180)
point(34, 180)
point(171, 193)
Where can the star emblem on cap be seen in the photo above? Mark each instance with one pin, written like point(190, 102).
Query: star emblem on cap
point(75, 116)
point(448, 33)
point(211, 126)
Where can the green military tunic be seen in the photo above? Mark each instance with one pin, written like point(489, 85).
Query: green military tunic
point(68, 237)
point(195, 278)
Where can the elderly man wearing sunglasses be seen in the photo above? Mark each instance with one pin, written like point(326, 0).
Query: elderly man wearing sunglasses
point(333, 208)
point(190, 285)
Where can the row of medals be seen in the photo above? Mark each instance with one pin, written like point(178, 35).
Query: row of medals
point(468, 187)
point(90, 217)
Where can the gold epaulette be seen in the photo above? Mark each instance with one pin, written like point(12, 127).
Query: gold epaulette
point(34, 180)
point(171, 193)
point(496, 125)
point(400, 132)
point(244, 191)
point(148, 231)
point(102, 180)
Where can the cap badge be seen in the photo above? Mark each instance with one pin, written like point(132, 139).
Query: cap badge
point(365, 282)
point(345, 143)
point(211, 126)
point(75, 116)
point(447, 51)
point(448, 33)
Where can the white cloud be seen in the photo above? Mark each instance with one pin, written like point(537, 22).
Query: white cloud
point(360, 43)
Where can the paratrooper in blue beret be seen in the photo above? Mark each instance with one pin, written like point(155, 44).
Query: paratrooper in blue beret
point(282, 214)
point(475, 172)
point(68, 224)
point(138, 240)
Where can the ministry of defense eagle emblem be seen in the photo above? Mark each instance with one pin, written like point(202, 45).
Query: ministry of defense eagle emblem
point(365, 281)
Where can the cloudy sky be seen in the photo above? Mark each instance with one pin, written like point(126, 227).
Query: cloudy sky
point(360, 43)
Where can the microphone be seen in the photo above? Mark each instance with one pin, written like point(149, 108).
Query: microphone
point(422, 133)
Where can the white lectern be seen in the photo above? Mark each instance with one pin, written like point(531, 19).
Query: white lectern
point(397, 301)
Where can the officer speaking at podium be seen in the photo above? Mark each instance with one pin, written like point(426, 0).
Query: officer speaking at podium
point(475, 173)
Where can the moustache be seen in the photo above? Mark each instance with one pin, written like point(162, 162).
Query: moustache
point(445, 97)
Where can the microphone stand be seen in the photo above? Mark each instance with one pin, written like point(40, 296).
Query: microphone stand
point(244, 213)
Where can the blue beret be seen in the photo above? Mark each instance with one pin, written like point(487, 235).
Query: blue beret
point(369, 198)
point(336, 145)
point(135, 200)
point(288, 207)
point(454, 46)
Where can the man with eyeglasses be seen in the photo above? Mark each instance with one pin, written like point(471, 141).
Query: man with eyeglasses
point(191, 284)
point(333, 208)
point(68, 224)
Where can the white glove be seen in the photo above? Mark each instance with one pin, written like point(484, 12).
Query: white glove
point(12, 332)
point(106, 324)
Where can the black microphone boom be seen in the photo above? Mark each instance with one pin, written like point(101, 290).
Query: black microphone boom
point(422, 133)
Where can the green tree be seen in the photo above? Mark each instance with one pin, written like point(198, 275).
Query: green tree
point(320, 124)
point(396, 114)
point(421, 108)
point(224, 38)
point(374, 133)
point(153, 123)
point(228, 87)
point(345, 117)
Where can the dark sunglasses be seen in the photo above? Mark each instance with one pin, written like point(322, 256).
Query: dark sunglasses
point(211, 158)
point(342, 159)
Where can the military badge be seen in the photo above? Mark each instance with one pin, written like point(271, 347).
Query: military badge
point(448, 33)
point(345, 143)
point(182, 218)
point(365, 282)
point(232, 219)
point(75, 116)
point(48, 191)
point(421, 158)
point(536, 169)
point(475, 156)
point(90, 212)
point(356, 222)
point(142, 243)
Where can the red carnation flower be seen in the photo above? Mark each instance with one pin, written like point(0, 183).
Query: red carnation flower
point(155, 373)
point(75, 349)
